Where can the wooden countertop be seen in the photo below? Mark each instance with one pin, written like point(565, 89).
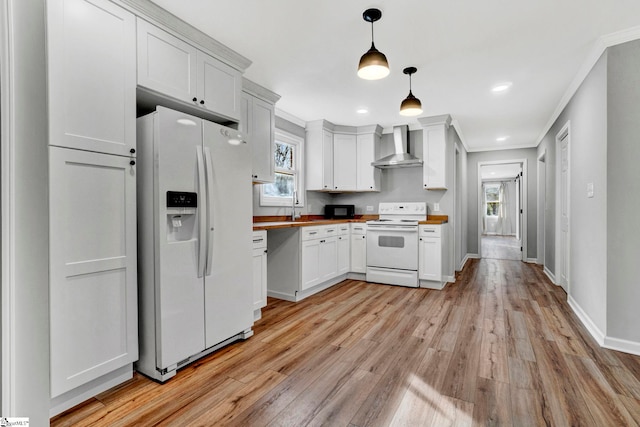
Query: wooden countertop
point(275, 222)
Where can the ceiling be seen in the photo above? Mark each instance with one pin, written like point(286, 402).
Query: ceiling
point(308, 53)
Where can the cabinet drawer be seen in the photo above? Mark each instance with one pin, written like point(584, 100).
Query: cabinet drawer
point(329, 231)
point(343, 229)
point(259, 239)
point(310, 233)
point(430, 230)
point(358, 228)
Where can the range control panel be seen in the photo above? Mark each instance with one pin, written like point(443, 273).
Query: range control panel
point(181, 199)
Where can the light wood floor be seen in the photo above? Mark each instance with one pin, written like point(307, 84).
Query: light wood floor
point(501, 247)
point(498, 347)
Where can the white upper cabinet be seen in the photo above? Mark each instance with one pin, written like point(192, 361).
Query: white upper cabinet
point(339, 157)
point(344, 162)
point(319, 156)
point(434, 139)
point(166, 63)
point(368, 144)
point(257, 123)
point(172, 67)
point(92, 76)
point(218, 86)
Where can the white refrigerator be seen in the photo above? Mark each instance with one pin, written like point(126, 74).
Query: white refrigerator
point(194, 240)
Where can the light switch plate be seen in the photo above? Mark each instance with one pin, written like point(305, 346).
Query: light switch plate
point(436, 207)
point(590, 190)
point(369, 208)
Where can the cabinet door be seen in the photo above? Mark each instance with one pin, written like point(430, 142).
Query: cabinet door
point(218, 86)
point(358, 253)
point(328, 255)
point(92, 76)
point(327, 160)
point(434, 149)
point(344, 254)
point(430, 259)
point(93, 289)
point(368, 176)
point(344, 162)
point(166, 64)
point(262, 140)
point(259, 278)
point(310, 264)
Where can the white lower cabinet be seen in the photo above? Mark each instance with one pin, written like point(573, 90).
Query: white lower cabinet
point(259, 272)
point(319, 255)
point(310, 264)
point(344, 249)
point(93, 287)
point(430, 249)
point(358, 248)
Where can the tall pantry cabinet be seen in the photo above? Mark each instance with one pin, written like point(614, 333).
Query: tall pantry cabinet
point(92, 174)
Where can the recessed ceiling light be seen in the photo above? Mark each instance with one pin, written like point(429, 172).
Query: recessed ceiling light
point(501, 87)
point(493, 173)
point(362, 111)
point(502, 138)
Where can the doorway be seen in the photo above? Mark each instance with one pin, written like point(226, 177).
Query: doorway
point(563, 140)
point(502, 209)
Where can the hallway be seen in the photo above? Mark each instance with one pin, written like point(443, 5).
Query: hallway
point(501, 247)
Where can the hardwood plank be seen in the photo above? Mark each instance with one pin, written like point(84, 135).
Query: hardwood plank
point(493, 352)
point(492, 405)
point(527, 410)
point(453, 412)
point(418, 405)
point(633, 406)
point(461, 377)
point(601, 400)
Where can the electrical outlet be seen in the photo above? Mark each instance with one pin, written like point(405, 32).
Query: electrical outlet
point(436, 207)
point(590, 190)
point(369, 208)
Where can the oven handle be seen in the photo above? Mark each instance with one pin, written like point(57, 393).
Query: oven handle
point(398, 228)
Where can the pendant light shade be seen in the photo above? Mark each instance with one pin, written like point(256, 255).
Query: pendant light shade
point(373, 64)
point(410, 106)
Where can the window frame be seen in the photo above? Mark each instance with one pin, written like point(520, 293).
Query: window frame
point(487, 202)
point(298, 171)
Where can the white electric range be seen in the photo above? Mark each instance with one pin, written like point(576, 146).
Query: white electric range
point(392, 244)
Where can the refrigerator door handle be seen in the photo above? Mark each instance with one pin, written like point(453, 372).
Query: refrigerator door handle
point(202, 214)
point(209, 164)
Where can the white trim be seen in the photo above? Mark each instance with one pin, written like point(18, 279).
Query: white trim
point(565, 132)
point(501, 148)
point(466, 258)
point(7, 214)
point(458, 128)
point(541, 165)
point(290, 118)
point(524, 196)
point(550, 275)
point(600, 46)
point(531, 260)
point(624, 346)
point(595, 332)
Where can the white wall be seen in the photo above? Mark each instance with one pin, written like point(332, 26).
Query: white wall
point(587, 114)
point(24, 179)
point(623, 193)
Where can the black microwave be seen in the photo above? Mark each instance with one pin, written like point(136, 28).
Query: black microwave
point(339, 211)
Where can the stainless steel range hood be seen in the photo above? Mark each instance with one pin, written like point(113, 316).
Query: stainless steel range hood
point(401, 158)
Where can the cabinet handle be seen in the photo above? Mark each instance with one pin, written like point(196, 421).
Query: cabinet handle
point(132, 162)
point(202, 101)
point(330, 231)
point(257, 240)
point(364, 237)
point(313, 232)
point(265, 251)
point(421, 239)
point(132, 151)
point(322, 241)
point(336, 188)
point(429, 231)
point(371, 187)
point(195, 99)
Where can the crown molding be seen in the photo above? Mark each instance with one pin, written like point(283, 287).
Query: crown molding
point(258, 91)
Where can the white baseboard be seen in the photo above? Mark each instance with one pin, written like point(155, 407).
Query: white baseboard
point(595, 332)
point(549, 275)
point(86, 391)
point(466, 258)
point(624, 346)
point(531, 260)
point(449, 279)
point(281, 295)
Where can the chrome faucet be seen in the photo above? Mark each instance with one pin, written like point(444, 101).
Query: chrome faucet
point(294, 202)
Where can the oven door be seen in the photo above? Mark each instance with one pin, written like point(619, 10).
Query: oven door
point(392, 246)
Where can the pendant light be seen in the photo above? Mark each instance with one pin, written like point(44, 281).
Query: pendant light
point(411, 106)
point(373, 64)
